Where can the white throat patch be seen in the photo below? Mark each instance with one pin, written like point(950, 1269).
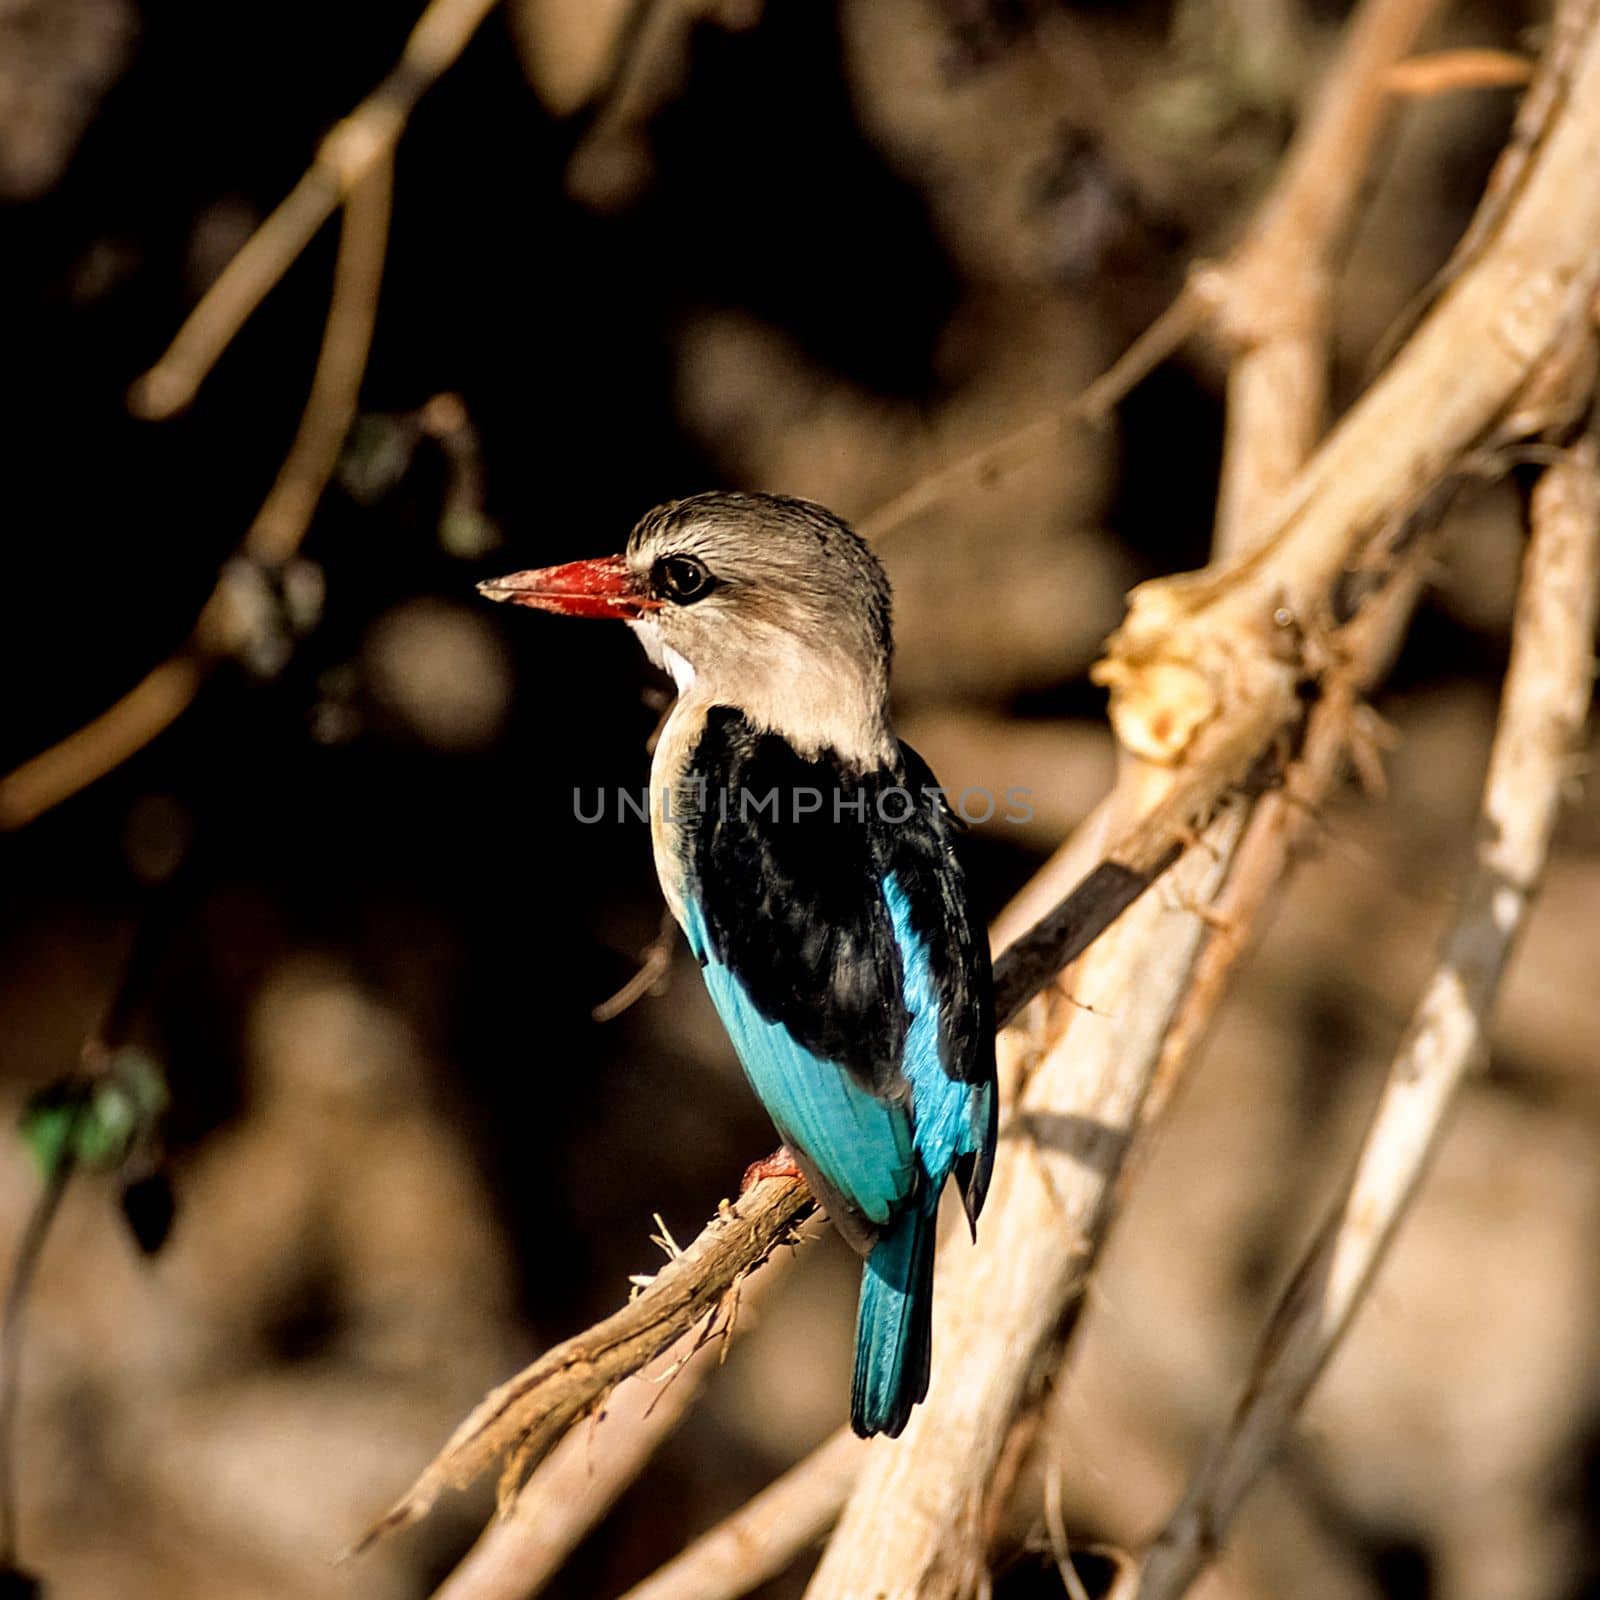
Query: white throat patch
point(648, 632)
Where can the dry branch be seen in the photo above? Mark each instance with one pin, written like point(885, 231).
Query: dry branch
point(762, 1538)
point(1546, 697)
point(579, 1480)
point(1282, 818)
point(354, 148)
point(1273, 296)
point(522, 1419)
point(916, 1516)
point(1446, 71)
point(518, 1423)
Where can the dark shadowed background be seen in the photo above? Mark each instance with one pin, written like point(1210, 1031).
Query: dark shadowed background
point(822, 249)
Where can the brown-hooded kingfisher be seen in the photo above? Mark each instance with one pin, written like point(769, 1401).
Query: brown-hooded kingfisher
point(810, 860)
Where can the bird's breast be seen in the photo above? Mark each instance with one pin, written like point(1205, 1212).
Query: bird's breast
point(672, 817)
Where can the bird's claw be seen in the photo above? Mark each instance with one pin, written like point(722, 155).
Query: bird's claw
point(780, 1164)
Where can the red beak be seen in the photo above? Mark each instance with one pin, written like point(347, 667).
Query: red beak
point(600, 588)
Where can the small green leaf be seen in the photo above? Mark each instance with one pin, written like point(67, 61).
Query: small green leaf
point(96, 1122)
point(46, 1127)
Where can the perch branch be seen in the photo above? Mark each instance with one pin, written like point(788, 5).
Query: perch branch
point(519, 1422)
point(1546, 696)
point(522, 1419)
point(576, 1484)
point(162, 696)
point(765, 1536)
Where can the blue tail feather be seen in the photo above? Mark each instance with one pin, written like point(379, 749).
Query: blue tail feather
point(894, 1321)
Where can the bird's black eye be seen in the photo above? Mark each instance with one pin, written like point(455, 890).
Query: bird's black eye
point(684, 579)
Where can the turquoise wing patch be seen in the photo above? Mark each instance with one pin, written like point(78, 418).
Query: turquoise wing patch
point(950, 1116)
point(861, 1146)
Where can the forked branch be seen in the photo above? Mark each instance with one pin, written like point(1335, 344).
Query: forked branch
point(1546, 698)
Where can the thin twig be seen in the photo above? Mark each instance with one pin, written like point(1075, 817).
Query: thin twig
point(983, 467)
point(655, 964)
point(1174, 327)
point(354, 148)
point(330, 411)
point(1546, 95)
point(1447, 71)
point(163, 695)
point(762, 1538)
point(1547, 694)
point(525, 1417)
point(577, 1483)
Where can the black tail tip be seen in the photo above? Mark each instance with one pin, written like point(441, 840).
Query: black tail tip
point(891, 1424)
point(888, 1417)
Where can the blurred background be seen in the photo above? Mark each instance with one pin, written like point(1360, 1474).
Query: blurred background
point(351, 929)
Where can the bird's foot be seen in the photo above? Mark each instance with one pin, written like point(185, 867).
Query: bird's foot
point(780, 1164)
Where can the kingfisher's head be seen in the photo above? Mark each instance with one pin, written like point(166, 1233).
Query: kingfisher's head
point(770, 605)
